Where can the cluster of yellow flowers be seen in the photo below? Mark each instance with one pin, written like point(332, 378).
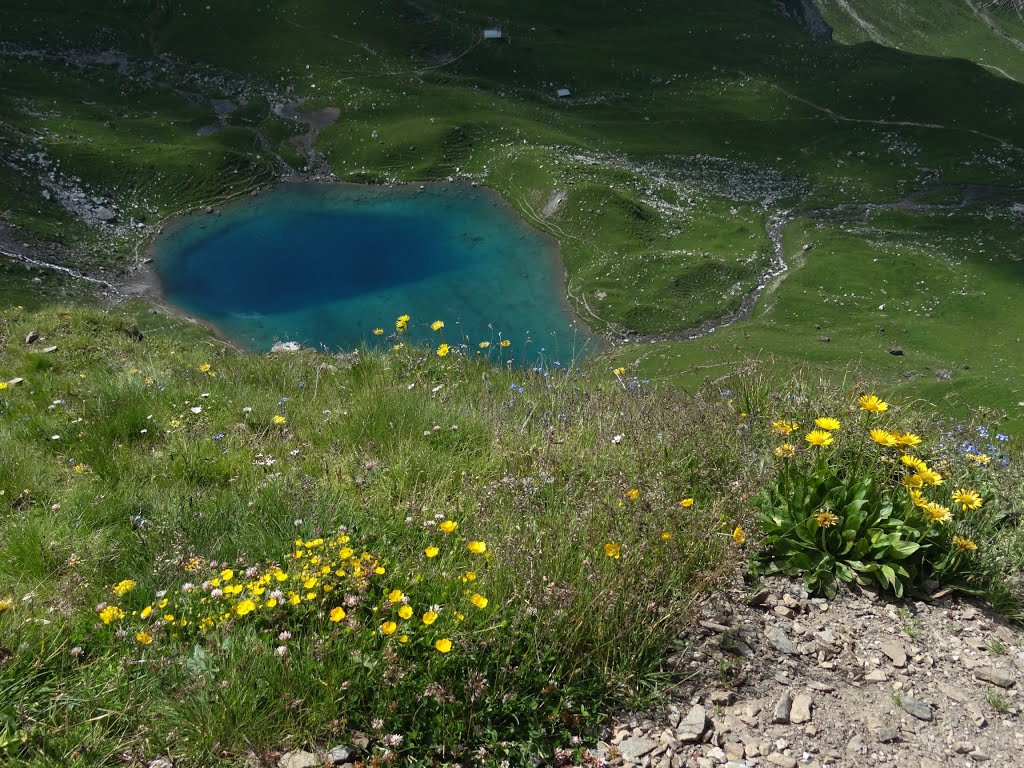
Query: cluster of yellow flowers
point(402, 325)
point(917, 475)
point(326, 579)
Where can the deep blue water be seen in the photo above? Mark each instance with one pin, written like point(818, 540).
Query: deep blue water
point(326, 264)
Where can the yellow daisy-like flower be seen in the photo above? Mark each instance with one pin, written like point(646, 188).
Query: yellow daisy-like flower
point(633, 494)
point(484, 344)
point(936, 513)
point(477, 547)
point(6, 604)
point(917, 498)
point(613, 550)
point(431, 551)
point(872, 403)
point(980, 458)
point(122, 588)
point(913, 462)
point(826, 519)
point(204, 368)
point(784, 427)
point(395, 596)
point(470, 576)
point(883, 437)
point(448, 526)
point(336, 614)
point(738, 535)
point(964, 545)
point(479, 601)
point(785, 451)
point(828, 423)
point(686, 503)
point(505, 343)
point(388, 628)
point(397, 347)
point(245, 607)
point(619, 371)
point(405, 612)
point(111, 613)
point(444, 645)
point(146, 611)
point(442, 350)
point(279, 420)
point(3, 385)
point(403, 319)
point(378, 331)
point(930, 476)
point(401, 325)
point(665, 536)
point(143, 638)
point(429, 618)
point(907, 439)
point(967, 498)
point(437, 325)
point(819, 438)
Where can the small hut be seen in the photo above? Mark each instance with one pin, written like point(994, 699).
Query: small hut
point(492, 34)
point(563, 93)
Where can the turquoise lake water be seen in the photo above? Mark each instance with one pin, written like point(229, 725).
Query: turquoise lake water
point(326, 264)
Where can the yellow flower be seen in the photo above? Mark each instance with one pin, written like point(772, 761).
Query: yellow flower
point(872, 403)
point(478, 600)
point(431, 551)
point(819, 438)
point(477, 547)
point(883, 437)
point(964, 545)
point(784, 427)
point(828, 423)
point(930, 476)
point(470, 576)
point(388, 628)
point(378, 331)
point(429, 618)
point(444, 645)
point(613, 550)
point(913, 481)
point(111, 613)
point(279, 420)
point(227, 574)
point(917, 498)
point(272, 603)
point(337, 614)
point(397, 347)
point(403, 319)
point(204, 368)
point(122, 588)
point(484, 344)
point(686, 503)
point(395, 596)
point(619, 371)
point(143, 638)
point(738, 536)
point(6, 604)
point(401, 325)
point(936, 513)
point(245, 607)
point(506, 343)
point(665, 535)
point(3, 385)
point(403, 639)
point(448, 526)
point(826, 519)
point(405, 612)
point(907, 439)
point(146, 611)
point(981, 458)
point(785, 451)
point(633, 494)
point(442, 350)
point(913, 462)
point(967, 498)
point(437, 325)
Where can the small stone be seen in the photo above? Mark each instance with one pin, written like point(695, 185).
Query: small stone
point(781, 714)
point(889, 733)
point(916, 708)
point(299, 758)
point(339, 754)
point(927, 762)
point(895, 652)
point(855, 746)
point(286, 346)
point(780, 641)
point(717, 755)
point(635, 747)
point(784, 611)
point(783, 761)
point(759, 597)
point(692, 729)
point(956, 694)
point(963, 747)
point(15, 381)
point(980, 756)
point(814, 685)
point(722, 698)
point(32, 337)
point(897, 351)
point(161, 762)
point(734, 751)
point(995, 676)
point(979, 717)
point(801, 712)
point(47, 350)
point(876, 676)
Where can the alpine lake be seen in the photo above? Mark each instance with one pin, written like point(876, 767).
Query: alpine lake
point(326, 264)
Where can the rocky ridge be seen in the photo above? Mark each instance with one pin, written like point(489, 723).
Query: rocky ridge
point(782, 679)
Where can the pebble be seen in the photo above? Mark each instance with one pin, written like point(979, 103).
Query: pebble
point(801, 712)
point(635, 747)
point(782, 708)
point(894, 650)
point(916, 708)
point(995, 676)
point(299, 758)
point(693, 728)
point(780, 641)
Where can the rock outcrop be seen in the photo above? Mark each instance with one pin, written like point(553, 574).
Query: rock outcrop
point(808, 16)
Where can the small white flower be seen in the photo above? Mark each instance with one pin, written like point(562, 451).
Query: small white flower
point(285, 636)
point(247, 409)
point(281, 650)
point(217, 593)
point(617, 439)
point(55, 437)
point(196, 409)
